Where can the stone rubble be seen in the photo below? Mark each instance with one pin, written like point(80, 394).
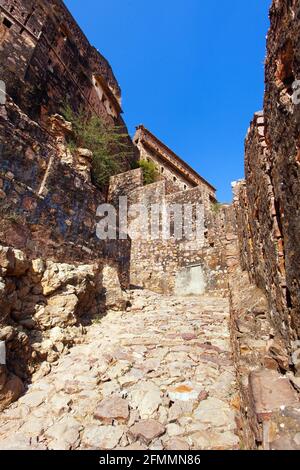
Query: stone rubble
point(157, 376)
point(44, 308)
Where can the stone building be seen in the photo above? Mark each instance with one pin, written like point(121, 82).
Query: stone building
point(177, 173)
point(49, 61)
point(175, 263)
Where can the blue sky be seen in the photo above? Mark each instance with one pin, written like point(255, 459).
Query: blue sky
point(192, 71)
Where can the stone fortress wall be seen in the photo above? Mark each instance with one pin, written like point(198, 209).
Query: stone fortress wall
point(265, 314)
point(49, 61)
point(47, 197)
point(268, 201)
point(170, 265)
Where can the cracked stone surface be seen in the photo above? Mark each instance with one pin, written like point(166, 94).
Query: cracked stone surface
point(158, 376)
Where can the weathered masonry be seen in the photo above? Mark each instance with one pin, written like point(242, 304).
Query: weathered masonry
point(57, 277)
point(178, 174)
point(177, 265)
point(48, 61)
point(267, 202)
point(47, 200)
point(267, 206)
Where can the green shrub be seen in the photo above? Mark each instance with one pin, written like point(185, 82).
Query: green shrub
point(216, 207)
point(150, 171)
point(109, 144)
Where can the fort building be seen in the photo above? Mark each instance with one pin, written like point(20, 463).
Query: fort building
point(172, 168)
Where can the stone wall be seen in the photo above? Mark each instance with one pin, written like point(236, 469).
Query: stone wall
point(47, 200)
point(259, 224)
point(49, 61)
point(44, 309)
point(48, 208)
point(269, 402)
point(282, 117)
point(161, 264)
point(267, 203)
point(265, 293)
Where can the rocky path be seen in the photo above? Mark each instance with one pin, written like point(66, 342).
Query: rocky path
point(158, 376)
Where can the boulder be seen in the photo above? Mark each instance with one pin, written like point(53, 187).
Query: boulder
point(59, 311)
point(60, 276)
point(13, 262)
point(11, 389)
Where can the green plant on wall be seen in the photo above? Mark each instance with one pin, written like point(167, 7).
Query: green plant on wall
point(150, 172)
point(216, 207)
point(108, 143)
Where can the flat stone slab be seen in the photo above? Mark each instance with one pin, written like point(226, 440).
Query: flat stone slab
point(270, 391)
point(102, 437)
point(147, 430)
point(215, 412)
point(112, 409)
point(177, 444)
point(64, 434)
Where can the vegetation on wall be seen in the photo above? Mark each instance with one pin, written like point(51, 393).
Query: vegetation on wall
point(150, 172)
point(216, 207)
point(108, 143)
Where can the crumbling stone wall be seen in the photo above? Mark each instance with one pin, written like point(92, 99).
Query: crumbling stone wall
point(47, 200)
point(269, 404)
point(48, 208)
point(265, 293)
point(259, 224)
point(48, 60)
point(267, 203)
point(282, 108)
point(44, 308)
point(155, 264)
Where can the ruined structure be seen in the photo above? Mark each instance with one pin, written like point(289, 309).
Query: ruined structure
point(200, 335)
point(267, 211)
point(175, 171)
point(267, 202)
point(48, 201)
point(48, 61)
point(181, 263)
point(44, 186)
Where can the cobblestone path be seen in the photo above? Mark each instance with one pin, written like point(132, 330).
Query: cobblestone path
point(158, 376)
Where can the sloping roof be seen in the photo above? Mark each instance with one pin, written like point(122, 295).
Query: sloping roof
point(176, 158)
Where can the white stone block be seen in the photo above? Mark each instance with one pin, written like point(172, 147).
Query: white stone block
point(2, 353)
